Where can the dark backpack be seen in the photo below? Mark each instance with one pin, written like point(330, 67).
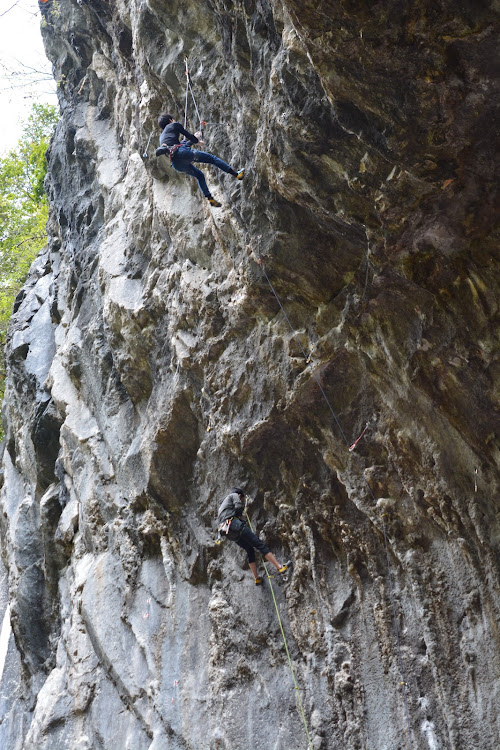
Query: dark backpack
point(235, 529)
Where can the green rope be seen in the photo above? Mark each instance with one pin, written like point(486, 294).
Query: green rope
point(297, 689)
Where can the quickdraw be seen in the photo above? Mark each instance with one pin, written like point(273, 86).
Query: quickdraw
point(223, 528)
point(352, 447)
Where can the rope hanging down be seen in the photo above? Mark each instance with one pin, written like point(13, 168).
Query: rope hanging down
point(307, 358)
point(189, 89)
point(187, 95)
point(145, 154)
point(290, 664)
point(386, 544)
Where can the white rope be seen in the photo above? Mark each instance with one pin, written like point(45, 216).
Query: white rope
point(189, 89)
point(187, 96)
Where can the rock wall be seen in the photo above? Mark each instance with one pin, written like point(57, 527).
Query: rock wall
point(150, 368)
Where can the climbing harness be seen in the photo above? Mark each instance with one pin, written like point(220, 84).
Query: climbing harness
point(169, 151)
point(223, 528)
point(173, 150)
point(290, 664)
point(231, 527)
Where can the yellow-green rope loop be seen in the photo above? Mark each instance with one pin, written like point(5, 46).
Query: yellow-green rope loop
point(301, 708)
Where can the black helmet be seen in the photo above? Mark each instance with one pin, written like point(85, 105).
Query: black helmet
point(238, 491)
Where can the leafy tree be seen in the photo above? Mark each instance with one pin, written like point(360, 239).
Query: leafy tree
point(23, 211)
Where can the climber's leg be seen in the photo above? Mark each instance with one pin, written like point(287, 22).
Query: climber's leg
point(206, 158)
point(200, 177)
point(253, 568)
point(248, 547)
point(187, 168)
point(183, 162)
point(271, 558)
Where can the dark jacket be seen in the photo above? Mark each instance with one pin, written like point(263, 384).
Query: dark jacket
point(231, 507)
point(171, 134)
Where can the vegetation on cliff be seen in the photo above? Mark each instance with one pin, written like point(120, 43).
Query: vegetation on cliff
point(23, 210)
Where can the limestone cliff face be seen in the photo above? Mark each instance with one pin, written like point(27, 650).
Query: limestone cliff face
point(150, 368)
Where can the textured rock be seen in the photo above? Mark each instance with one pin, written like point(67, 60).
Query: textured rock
point(150, 368)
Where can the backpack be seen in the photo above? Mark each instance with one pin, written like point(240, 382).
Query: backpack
point(232, 527)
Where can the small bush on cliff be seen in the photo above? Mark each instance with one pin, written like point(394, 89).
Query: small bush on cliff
point(23, 211)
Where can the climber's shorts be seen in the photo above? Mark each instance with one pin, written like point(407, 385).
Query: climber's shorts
point(250, 542)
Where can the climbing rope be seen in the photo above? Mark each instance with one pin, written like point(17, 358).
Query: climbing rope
point(145, 154)
point(187, 95)
point(350, 447)
point(297, 689)
point(307, 358)
point(189, 90)
point(404, 684)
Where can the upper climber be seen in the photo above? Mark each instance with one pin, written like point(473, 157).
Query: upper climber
point(182, 157)
point(230, 522)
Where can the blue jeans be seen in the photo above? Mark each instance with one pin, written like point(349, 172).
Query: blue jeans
point(183, 162)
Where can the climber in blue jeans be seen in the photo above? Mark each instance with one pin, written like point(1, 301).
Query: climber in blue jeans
point(182, 157)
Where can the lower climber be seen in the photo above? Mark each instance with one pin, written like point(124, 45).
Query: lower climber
point(182, 157)
point(230, 522)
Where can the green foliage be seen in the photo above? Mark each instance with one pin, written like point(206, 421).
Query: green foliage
point(23, 211)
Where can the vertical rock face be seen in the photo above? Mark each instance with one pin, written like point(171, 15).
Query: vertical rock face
point(150, 368)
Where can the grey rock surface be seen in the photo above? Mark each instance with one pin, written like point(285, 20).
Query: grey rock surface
point(151, 368)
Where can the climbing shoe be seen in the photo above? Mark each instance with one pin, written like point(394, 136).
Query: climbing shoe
point(240, 174)
point(215, 203)
point(285, 567)
point(258, 581)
